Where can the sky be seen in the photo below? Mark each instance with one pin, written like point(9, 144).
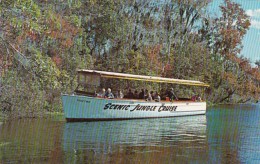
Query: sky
point(251, 41)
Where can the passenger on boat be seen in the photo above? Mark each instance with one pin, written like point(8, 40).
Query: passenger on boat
point(102, 93)
point(117, 94)
point(136, 96)
point(196, 98)
point(157, 97)
point(141, 94)
point(172, 95)
point(130, 94)
point(146, 94)
point(149, 96)
point(109, 94)
point(199, 98)
point(193, 98)
point(120, 94)
point(152, 94)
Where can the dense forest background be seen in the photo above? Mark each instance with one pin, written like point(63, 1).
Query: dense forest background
point(44, 42)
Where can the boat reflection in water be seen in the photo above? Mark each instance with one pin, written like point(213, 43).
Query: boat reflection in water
point(181, 138)
point(227, 134)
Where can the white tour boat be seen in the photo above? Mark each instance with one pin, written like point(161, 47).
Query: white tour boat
point(84, 106)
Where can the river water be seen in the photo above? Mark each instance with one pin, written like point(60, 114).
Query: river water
point(226, 134)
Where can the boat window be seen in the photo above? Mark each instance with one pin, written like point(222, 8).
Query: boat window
point(93, 80)
point(81, 79)
point(87, 84)
point(89, 80)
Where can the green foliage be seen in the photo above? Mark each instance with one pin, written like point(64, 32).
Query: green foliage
point(45, 70)
point(20, 97)
point(230, 73)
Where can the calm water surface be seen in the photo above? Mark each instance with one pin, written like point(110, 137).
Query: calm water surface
point(227, 134)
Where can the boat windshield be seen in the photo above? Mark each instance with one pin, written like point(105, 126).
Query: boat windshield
point(89, 80)
point(87, 83)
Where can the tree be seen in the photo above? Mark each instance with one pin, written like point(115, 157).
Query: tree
point(224, 39)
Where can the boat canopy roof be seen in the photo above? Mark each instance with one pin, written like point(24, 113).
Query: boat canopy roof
point(115, 75)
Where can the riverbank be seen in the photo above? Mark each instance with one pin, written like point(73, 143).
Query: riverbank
point(4, 117)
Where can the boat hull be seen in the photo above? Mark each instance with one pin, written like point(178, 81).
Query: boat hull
point(84, 108)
